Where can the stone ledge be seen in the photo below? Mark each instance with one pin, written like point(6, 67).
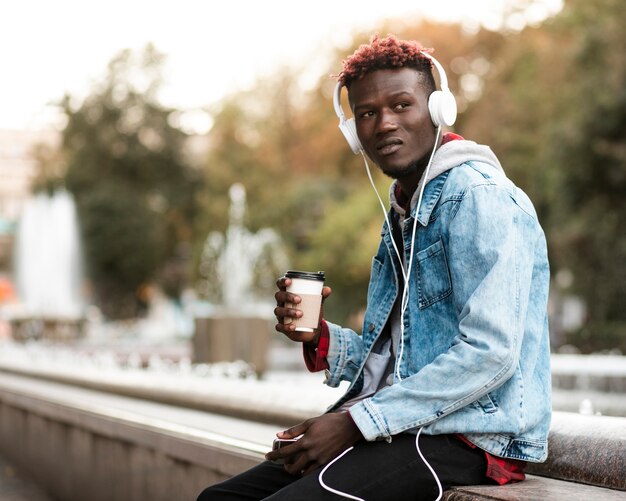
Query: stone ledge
point(79, 444)
point(583, 449)
point(587, 450)
point(534, 488)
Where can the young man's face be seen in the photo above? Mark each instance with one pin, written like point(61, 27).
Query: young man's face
point(390, 108)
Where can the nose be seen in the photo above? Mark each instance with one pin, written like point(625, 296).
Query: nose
point(387, 122)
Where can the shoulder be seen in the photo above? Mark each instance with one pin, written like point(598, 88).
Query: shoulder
point(485, 183)
point(472, 174)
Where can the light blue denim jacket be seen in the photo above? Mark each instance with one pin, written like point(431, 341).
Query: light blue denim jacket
point(476, 348)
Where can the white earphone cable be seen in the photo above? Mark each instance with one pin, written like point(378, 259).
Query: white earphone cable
point(350, 496)
point(382, 204)
point(417, 446)
point(404, 301)
point(405, 292)
point(330, 489)
point(406, 273)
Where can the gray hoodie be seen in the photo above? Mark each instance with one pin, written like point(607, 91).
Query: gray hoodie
point(448, 156)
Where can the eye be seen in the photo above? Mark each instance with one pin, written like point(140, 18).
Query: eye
point(401, 106)
point(366, 114)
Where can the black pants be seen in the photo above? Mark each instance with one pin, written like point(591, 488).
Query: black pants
point(372, 471)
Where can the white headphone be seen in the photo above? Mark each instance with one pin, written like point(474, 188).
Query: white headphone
point(441, 105)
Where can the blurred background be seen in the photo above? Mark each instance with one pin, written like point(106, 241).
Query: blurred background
point(160, 162)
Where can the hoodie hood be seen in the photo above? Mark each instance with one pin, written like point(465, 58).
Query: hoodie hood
point(454, 151)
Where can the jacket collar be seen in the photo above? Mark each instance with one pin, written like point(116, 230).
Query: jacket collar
point(432, 193)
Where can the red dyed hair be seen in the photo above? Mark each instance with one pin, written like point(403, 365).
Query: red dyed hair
point(383, 54)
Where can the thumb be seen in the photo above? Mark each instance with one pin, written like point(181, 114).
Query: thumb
point(294, 431)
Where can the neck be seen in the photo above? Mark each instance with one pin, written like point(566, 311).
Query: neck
point(409, 183)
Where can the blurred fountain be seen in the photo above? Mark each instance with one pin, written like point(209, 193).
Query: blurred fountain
point(48, 271)
point(239, 270)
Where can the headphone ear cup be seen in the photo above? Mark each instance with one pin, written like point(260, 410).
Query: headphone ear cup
point(348, 127)
point(442, 107)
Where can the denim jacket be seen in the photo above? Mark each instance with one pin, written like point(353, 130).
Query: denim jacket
point(476, 347)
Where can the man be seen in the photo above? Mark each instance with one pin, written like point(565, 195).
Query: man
point(450, 381)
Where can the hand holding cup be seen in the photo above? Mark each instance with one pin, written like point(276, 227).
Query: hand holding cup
point(299, 305)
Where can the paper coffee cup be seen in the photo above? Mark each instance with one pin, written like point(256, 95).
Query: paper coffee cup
point(308, 285)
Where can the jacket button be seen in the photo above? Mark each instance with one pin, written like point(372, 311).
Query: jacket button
point(371, 327)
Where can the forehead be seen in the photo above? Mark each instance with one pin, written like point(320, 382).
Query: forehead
point(381, 83)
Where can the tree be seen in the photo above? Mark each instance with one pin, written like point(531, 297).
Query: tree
point(555, 114)
point(136, 194)
point(589, 232)
point(273, 141)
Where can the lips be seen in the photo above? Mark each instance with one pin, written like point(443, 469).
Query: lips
point(389, 146)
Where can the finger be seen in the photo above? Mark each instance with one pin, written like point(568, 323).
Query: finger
point(326, 291)
point(281, 296)
point(274, 455)
point(281, 312)
point(298, 464)
point(294, 431)
point(288, 328)
point(285, 452)
point(284, 297)
point(309, 468)
point(290, 331)
point(283, 282)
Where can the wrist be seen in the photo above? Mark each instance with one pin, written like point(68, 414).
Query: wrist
point(315, 341)
point(356, 432)
point(319, 332)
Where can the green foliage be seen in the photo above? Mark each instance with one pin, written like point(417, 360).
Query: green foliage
point(123, 245)
point(598, 337)
point(556, 115)
point(286, 155)
point(589, 228)
point(135, 192)
point(343, 246)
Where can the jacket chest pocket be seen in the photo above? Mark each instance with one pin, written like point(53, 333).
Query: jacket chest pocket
point(433, 275)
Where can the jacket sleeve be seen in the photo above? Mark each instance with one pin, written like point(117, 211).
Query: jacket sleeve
point(345, 354)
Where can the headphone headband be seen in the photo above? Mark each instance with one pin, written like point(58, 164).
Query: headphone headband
point(441, 105)
point(443, 79)
point(337, 102)
point(346, 126)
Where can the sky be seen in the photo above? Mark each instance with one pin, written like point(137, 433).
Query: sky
point(49, 48)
